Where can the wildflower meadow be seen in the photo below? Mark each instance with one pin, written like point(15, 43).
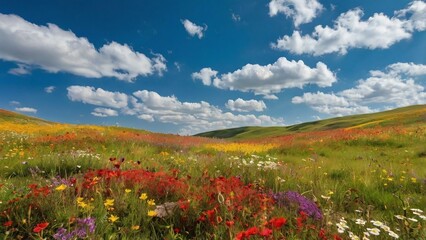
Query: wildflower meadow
point(62, 181)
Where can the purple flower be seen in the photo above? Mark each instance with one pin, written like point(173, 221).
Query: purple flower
point(59, 181)
point(290, 198)
point(87, 222)
point(62, 234)
point(80, 230)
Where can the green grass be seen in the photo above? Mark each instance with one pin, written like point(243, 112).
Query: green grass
point(401, 116)
point(8, 116)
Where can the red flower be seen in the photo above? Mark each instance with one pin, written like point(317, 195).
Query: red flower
point(252, 231)
point(322, 234)
point(266, 232)
point(210, 214)
point(278, 222)
point(40, 227)
point(8, 224)
point(230, 223)
point(240, 236)
point(336, 237)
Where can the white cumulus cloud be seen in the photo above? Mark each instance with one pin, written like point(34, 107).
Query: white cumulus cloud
point(191, 117)
point(98, 97)
point(301, 11)
point(22, 69)
point(205, 75)
point(330, 104)
point(241, 105)
point(193, 29)
point(397, 86)
point(56, 50)
point(49, 89)
point(26, 110)
point(351, 31)
point(269, 79)
point(104, 112)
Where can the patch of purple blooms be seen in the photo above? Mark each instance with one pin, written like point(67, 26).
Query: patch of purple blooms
point(59, 181)
point(82, 229)
point(290, 198)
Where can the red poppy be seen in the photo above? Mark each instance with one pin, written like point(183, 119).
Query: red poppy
point(240, 236)
point(252, 231)
point(336, 237)
point(229, 223)
point(40, 227)
point(266, 232)
point(278, 222)
point(322, 234)
point(8, 224)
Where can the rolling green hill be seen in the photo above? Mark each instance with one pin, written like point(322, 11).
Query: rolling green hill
point(400, 116)
point(8, 116)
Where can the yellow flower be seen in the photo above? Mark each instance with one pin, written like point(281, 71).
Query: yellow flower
point(143, 196)
point(61, 187)
point(152, 213)
point(151, 202)
point(109, 203)
point(82, 204)
point(413, 180)
point(80, 199)
point(136, 227)
point(127, 190)
point(113, 218)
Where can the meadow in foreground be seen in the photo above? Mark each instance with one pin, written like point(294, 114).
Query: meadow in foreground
point(86, 182)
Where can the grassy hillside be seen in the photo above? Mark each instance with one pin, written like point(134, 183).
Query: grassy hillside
point(400, 116)
point(13, 117)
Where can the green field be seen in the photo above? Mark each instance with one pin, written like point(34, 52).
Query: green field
point(342, 178)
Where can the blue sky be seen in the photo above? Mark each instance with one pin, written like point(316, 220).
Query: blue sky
point(191, 66)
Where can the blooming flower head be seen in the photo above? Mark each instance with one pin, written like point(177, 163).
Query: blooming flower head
point(416, 210)
point(109, 203)
point(61, 187)
point(143, 196)
point(393, 234)
point(127, 190)
point(385, 228)
point(278, 222)
point(152, 213)
point(290, 198)
point(135, 227)
point(113, 218)
point(40, 227)
point(8, 224)
point(374, 231)
point(151, 202)
point(377, 223)
point(266, 232)
point(352, 236)
point(360, 222)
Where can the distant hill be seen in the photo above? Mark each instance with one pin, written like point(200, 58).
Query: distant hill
point(13, 117)
point(399, 116)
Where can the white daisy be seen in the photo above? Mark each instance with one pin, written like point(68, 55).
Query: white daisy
point(374, 231)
